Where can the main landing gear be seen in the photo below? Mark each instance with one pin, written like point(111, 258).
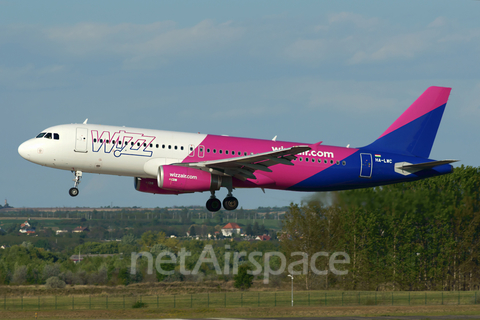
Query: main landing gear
point(229, 203)
point(74, 191)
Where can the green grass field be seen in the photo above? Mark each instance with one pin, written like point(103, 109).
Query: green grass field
point(239, 300)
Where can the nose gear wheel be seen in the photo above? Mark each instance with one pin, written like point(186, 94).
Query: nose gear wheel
point(74, 191)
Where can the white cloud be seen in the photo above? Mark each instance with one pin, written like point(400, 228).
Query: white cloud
point(398, 47)
point(136, 43)
point(31, 76)
point(357, 20)
point(438, 22)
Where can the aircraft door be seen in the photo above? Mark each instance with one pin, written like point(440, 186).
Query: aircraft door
point(366, 165)
point(81, 140)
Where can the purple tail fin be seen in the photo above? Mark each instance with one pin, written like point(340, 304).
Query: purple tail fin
point(414, 132)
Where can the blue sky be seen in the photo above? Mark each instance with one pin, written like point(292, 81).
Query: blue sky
point(334, 71)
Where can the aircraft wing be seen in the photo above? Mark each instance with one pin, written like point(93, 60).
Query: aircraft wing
point(243, 167)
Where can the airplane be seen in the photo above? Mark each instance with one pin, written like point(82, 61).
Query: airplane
point(167, 162)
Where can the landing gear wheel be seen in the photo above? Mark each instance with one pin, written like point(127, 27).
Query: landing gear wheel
point(230, 203)
point(213, 205)
point(73, 192)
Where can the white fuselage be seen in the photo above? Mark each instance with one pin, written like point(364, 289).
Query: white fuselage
point(109, 149)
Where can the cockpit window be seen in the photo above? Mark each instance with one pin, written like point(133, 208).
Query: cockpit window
point(48, 136)
point(40, 135)
point(56, 136)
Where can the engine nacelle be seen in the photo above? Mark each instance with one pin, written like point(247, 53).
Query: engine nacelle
point(150, 186)
point(185, 179)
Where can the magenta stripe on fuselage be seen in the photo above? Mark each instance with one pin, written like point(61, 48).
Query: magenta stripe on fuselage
point(431, 99)
point(283, 176)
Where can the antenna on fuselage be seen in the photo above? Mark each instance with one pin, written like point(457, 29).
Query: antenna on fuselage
point(85, 122)
point(274, 138)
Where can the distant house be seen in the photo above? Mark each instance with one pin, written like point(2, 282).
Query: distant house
point(263, 238)
point(60, 232)
point(25, 225)
point(81, 229)
point(26, 228)
point(230, 229)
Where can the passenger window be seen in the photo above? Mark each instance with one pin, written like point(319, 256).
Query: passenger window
point(208, 150)
point(244, 153)
point(313, 160)
point(156, 146)
point(239, 153)
point(56, 136)
point(40, 135)
point(214, 150)
point(226, 151)
point(343, 163)
point(220, 151)
point(95, 140)
point(326, 161)
point(175, 147)
point(169, 147)
point(301, 158)
point(319, 160)
point(191, 148)
point(338, 162)
point(48, 136)
point(331, 161)
point(163, 146)
point(306, 159)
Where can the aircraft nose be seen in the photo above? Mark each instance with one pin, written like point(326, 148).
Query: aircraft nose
point(24, 150)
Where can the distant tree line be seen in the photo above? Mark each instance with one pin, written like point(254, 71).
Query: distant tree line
point(422, 235)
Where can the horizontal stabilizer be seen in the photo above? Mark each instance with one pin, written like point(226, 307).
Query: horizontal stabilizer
point(428, 165)
point(407, 168)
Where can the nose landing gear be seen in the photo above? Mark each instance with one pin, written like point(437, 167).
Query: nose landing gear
point(74, 191)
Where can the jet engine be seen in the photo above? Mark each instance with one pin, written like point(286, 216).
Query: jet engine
point(150, 186)
point(185, 179)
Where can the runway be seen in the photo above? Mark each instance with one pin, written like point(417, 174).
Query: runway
point(448, 317)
